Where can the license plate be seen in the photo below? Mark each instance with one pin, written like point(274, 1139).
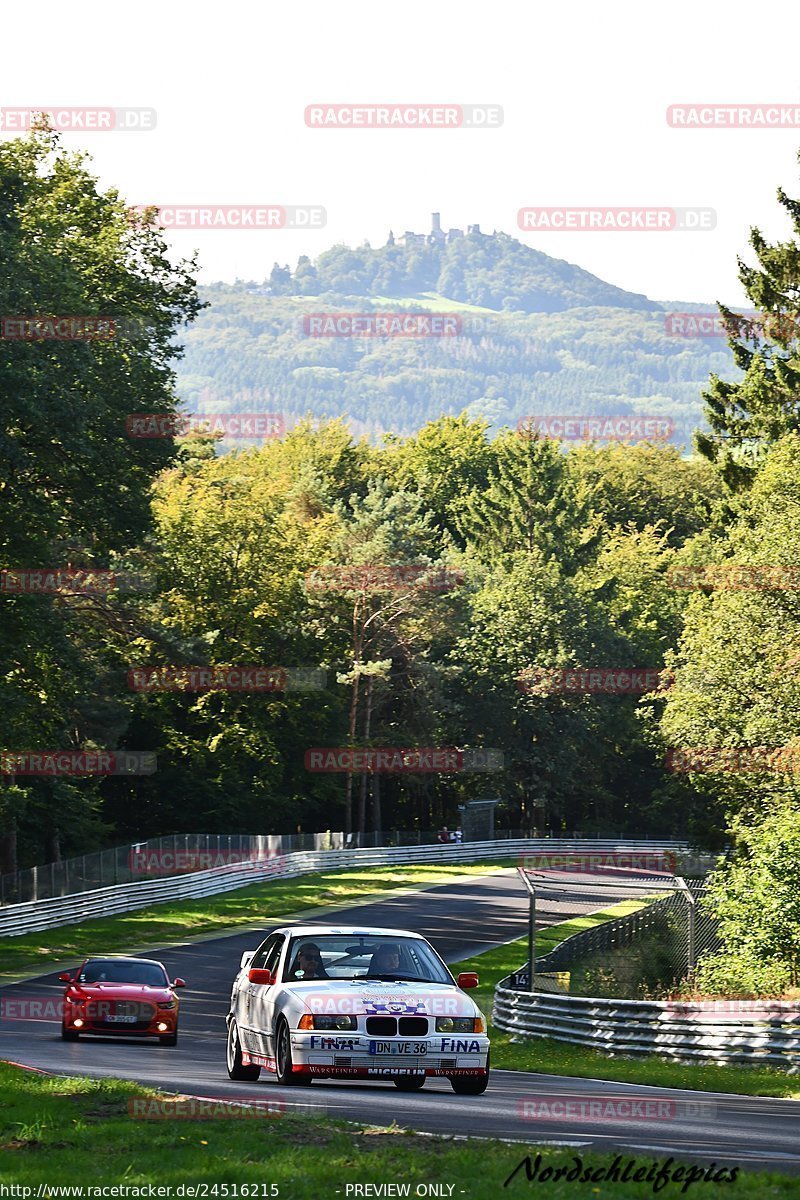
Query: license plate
point(121, 1020)
point(398, 1048)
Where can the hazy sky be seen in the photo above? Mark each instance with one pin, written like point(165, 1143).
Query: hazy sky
point(584, 90)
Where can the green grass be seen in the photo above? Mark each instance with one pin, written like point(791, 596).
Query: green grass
point(433, 301)
point(551, 1057)
point(261, 904)
point(62, 1131)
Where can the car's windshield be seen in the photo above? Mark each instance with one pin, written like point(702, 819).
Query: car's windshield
point(362, 956)
point(120, 970)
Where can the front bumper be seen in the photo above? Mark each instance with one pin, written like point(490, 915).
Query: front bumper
point(365, 1056)
point(103, 1021)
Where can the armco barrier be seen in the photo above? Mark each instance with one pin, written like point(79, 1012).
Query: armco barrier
point(123, 864)
point(679, 1031)
point(35, 915)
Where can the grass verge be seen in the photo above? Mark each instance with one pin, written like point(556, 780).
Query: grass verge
point(62, 1131)
point(260, 904)
point(550, 1057)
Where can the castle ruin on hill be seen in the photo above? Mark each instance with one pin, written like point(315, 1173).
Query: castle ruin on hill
point(436, 237)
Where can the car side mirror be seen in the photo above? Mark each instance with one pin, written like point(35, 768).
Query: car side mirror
point(65, 977)
point(179, 982)
point(259, 975)
point(467, 979)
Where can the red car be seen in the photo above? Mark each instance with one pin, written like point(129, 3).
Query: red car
point(121, 995)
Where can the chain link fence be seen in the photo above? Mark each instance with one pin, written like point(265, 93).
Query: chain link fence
point(645, 952)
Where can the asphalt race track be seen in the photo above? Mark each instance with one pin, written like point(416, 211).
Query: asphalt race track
point(459, 919)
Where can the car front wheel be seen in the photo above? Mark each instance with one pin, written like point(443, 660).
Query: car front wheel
point(169, 1039)
point(236, 1068)
point(283, 1058)
point(68, 1035)
point(470, 1085)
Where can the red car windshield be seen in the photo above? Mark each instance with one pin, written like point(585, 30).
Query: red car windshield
point(109, 970)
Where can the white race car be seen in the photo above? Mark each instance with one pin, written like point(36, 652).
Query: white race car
point(344, 1003)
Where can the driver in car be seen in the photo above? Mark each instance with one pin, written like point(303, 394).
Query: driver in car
point(309, 961)
point(385, 960)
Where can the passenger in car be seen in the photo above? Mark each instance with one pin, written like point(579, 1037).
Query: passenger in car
point(385, 960)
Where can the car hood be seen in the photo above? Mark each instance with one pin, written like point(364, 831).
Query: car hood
point(123, 991)
point(365, 996)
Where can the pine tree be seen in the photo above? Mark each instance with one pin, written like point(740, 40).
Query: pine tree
point(748, 416)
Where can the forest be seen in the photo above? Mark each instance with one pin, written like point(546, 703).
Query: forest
point(435, 590)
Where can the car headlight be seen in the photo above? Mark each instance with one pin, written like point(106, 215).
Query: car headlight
point(166, 1004)
point(459, 1025)
point(338, 1022)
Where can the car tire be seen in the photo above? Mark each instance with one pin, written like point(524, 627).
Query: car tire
point(465, 1085)
point(283, 1058)
point(68, 1035)
point(236, 1068)
point(169, 1039)
point(470, 1085)
point(410, 1083)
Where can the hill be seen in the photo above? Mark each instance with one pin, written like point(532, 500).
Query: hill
point(536, 335)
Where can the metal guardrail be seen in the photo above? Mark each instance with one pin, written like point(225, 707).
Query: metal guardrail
point(36, 915)
point(120, 864)
point(724, 1031)
point(768, 1032)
